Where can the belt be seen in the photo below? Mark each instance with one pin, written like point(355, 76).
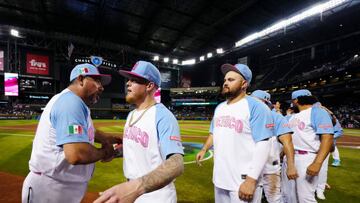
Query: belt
point(37, 173)
point(304, 152)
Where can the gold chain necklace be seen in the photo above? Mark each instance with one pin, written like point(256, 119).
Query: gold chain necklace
point(141, 115)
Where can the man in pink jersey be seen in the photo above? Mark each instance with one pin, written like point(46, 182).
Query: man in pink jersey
point(240, 132)
point(153, 153)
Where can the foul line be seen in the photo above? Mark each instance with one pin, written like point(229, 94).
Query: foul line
point(14, 134)
point(207, 158)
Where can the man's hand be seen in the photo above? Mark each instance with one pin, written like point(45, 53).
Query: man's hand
point(126, 192)
point(313, 169)
point(247, 189)
point(109, 152)
point(200, 156)
point(291, 172)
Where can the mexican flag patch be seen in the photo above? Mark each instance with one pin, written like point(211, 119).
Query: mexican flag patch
point(75, 129)
point(83, 70)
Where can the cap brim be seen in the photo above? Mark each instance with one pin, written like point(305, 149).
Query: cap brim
point(228, 67)
point(129, 74)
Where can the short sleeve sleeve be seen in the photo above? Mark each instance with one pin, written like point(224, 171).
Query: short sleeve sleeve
point(69, 118)
point(338, 131)
point(261, 121)
point(281, 124)
point(321, 121)
point(211, 128)
point(168, 132)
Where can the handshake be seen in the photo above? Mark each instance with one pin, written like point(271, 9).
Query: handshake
point(112, 148)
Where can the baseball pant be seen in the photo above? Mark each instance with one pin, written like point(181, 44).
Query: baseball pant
point(38, 188)
point(323, 175)
point(228, 196)
point(271, 185)
point(305, 184)
point(288, 190)
point(336, 154)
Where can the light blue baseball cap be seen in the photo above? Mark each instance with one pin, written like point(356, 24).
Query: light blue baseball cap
point(242, 69)
point(261, 94)
point(87, 69)
point(144, 70)
point(299, 93)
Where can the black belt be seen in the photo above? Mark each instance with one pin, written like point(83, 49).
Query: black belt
point(37, 173)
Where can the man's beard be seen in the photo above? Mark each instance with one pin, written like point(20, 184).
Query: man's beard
point(230, 94)
point(93, 100)
point(129, 99)
point(296, 109)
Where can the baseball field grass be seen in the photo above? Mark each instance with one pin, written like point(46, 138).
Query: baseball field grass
point(194, 185)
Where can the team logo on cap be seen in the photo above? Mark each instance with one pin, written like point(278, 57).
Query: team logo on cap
point(83, 70)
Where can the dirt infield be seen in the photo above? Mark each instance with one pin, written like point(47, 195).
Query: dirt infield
point(10, 189)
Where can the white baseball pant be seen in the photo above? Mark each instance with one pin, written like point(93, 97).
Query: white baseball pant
point(272, 187)
point(305, 185)
point(336, 154)
point(228, 196)
point(323, 175)
point(38, 188)
point(288, 190)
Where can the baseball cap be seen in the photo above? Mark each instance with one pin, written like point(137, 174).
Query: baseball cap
point(242, 69)
point(261, 94)
point(299, 93)
point(144, 70)
point(87, 69)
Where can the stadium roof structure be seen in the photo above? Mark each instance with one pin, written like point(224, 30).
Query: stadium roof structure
point(177, 29)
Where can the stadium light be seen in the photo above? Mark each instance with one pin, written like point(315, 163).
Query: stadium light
point(219, 51)
point(202, 58)
point(189, 62)
point(175, 61)
point(209, 55)
point(166, 60)
point(355, 56)
point(14, 33)
point(317, 9)
point(156, 58)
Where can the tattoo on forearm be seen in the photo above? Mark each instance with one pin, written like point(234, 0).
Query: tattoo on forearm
point(164, 174)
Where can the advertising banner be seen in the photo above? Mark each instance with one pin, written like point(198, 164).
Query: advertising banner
point(11, 84)
point(37, 64)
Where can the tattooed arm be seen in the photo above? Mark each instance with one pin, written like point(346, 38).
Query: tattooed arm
point(157, 179)
point(164, 174)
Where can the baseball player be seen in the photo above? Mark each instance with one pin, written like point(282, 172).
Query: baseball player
point(338, 132)
point(312, 138)
point(63, 155)
point(240, 132)
point(152, 149)
point(282, 133)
